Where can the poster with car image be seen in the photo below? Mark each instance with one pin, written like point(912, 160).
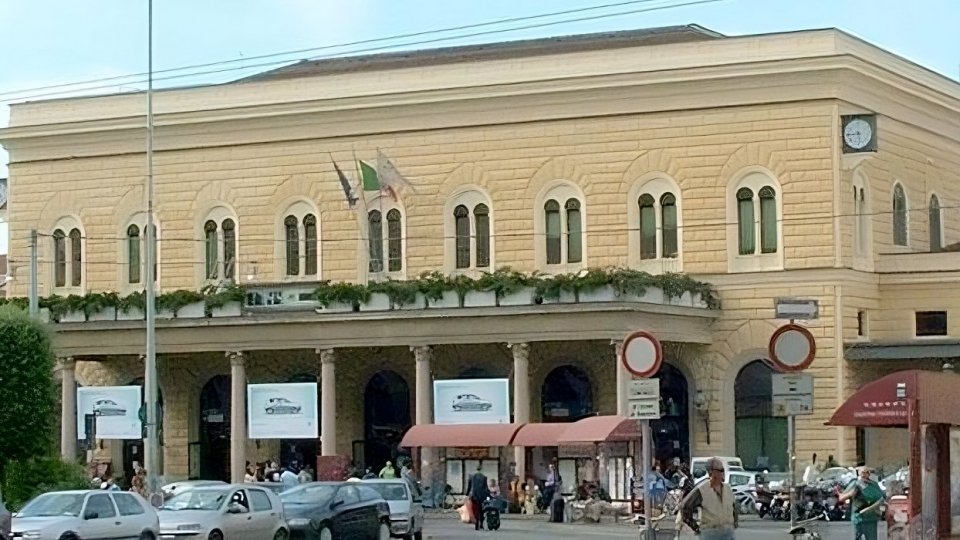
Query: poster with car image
point(471, 401)
point(115, 409)
point(282, 411)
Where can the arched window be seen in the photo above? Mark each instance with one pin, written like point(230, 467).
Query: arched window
point(229, 248)
point(461, 219)
point(900, 236)
point(375, 233)
point(745, 222)
point(310, 244)
point(750, 204)
point(551, 212)
point(768, 220)
point(648, 227)
point(220, 245)
point(559, 228)
point(668, 210)
point(211, 251)
point(936, 225)
point(76, 258)
point(133, 254)
point(574, 231)
point(481, 215)
point(394, 241)
point(59, 258)
point(761, 437)
point(291, 230)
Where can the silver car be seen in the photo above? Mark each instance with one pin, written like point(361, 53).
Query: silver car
point(471, 402)
point(280, 405)
point(108, 407)
point(406, 507)
point(72, 515)
point(223, 512)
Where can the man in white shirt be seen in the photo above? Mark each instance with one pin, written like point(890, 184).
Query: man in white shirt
point(718, 509)
point(288, 477)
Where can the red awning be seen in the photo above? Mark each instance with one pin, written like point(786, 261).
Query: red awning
point(599, 429)
point(459, 435)
point(876, 403)
point(540, 434)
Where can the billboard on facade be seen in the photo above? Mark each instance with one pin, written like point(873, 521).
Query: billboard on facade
point(282, 411)
point(116, 410)
point(471, 401)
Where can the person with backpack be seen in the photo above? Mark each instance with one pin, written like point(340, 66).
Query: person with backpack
point(865, 497)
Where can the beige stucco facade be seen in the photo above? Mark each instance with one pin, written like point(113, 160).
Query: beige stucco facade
point(698, 119)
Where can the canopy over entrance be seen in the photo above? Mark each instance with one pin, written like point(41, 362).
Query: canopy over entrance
point(599, 429)
point(540, 434)
point(459, 435)
point(877, 404)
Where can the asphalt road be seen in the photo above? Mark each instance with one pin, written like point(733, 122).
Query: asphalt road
point(527, 529)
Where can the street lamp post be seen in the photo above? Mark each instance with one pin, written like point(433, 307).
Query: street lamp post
point(151, 444)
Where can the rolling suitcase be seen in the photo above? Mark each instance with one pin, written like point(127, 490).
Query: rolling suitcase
point(556, 511)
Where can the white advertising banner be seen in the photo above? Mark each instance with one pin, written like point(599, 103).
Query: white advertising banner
point(116, 409)
point(282, 411)
point(471, 401)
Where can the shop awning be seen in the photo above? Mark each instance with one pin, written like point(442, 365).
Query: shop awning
point(459, 435)
point(876, 403)
point(598, 429)
point(540, 434)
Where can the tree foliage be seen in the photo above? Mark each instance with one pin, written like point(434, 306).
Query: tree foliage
point(25, 479)
point(27, 396)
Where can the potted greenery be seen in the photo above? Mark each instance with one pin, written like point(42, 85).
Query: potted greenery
point(510, 288)
point(467, 292)
point(224, 302)
point(635, 286)
point(437, 291)
point(101, 306)
point(560, 288)
point(341, 297)
point(378, 298)
point(596, 285)
point(403, 295)
point(132, 307)
point(181, 304)
point(72, 309)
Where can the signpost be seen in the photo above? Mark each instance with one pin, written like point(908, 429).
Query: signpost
point(642, 356)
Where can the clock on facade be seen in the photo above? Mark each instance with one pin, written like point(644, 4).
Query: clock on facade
point(859, 133)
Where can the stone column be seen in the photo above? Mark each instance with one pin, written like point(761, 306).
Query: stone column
point(521, 399)
point(238, 415)
point(328, 402)
point(68, 407)
point(623, 379)
point(424, 409)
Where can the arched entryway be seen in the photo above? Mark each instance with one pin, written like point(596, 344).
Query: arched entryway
point(761, 437)
point(215, 429)
point(133, 448)
point(386, 417)
point(671, 433)
point(303, 451)
point(566, 395)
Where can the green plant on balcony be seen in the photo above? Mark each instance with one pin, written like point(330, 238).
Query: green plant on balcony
point(628, 282)
point(132, 301)
point(215, 297)
point(674, 285)
point(462, 284)
point(56, 305)
point(352, 294)
point(551, 287)
point(175, 300)
point(400, 293)
point(503, 282)
point(432, 285)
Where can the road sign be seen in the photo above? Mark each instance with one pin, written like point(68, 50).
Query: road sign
point(643, 399)
point(792, 348)
point(796, 308)
point(644, 409)
point(792, 394)
point(641, 354)
point(644, 389)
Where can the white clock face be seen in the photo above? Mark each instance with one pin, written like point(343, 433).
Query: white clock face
point(857, 133)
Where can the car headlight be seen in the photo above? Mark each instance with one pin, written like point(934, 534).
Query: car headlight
point(300, 522)
point(400, 517)
point(189, 527)
point(31, 535)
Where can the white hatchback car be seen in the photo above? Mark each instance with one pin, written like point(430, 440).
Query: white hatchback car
point(224, 512)
point(406, 507)
point(90, 515)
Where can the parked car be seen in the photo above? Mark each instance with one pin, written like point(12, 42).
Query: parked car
point(698, 465)
point(108, 407)
point(5, 518)
point(177, 488)
point(336, 511)
point(471, 402)
point(406, 507)
point(280, 405)
point(224, 513)
point(276, 487)
point(73, 515)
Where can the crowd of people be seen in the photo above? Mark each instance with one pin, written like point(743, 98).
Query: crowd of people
point(290, 475)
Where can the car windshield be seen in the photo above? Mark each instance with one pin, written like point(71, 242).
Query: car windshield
point(308, 494)
point(390, 491)
point(54, 504)
point(197, 499)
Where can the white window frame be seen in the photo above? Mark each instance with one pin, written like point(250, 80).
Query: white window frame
point(754, 179)
point(140, 220)
point(67, 224)
point(384, 204)
point(893, 214)
point(862, 222)
point(218, 213)
point(470, 197)
point(940, 232)
point(656, 185)
point(298, 208)
point(560, 191)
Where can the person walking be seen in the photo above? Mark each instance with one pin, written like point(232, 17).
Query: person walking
point(551, 486)
point(865, 497)
point(289, 477)
point(388, 471)
point(718, 509)
point(477, 491)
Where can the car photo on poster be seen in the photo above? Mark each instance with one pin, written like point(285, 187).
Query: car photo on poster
point(281, 405)
point(471, 402)
point(108, 407)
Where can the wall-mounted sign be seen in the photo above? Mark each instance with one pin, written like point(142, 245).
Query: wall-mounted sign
point(792, 348)
point(792, 394)
point(471, 401)
point(643, 399)
point(641, 354)
point(282, 411)
point(115, 410)
point(804, 309)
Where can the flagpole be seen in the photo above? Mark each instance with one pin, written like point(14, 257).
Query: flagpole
point(365, 220)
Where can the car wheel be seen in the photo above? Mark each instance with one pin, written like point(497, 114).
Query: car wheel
point(384, 533)
point(280, 535)
point(215, 535)
point(69, 536)
point(269, 411)
point(325, 534)
point(146, 535)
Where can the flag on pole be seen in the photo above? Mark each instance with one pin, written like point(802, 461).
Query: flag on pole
point(383, 177)
point(345, 183)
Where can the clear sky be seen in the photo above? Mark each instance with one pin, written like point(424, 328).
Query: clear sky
point(48, 42)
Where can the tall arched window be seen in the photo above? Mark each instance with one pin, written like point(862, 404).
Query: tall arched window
point(900, 236)
point(210, 248)
point(133, 254)
point(768, 220)
point(750, 204)
point(76, 258)
point(59, 258)
point(461, 219)
point(394, 241)
point(220, 245)
point(310, 244)
point(559, 229)
point(481, 215)
point(375, 233)
point(291, 230)
point(229, 248)
point(551, 212)
point(746, 222)
point(668, 210)
point(574, 231)
point(936, 224)
point(648, 227)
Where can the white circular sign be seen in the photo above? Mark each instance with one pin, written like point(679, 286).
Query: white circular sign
point(792, 348)
point(642, 354)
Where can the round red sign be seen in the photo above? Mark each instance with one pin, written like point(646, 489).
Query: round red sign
point(642, 354)
point(792, 348)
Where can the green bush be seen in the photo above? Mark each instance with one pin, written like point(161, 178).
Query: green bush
point(27, 478)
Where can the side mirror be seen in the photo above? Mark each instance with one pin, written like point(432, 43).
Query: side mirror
point(236, 508)
point(91, 515)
